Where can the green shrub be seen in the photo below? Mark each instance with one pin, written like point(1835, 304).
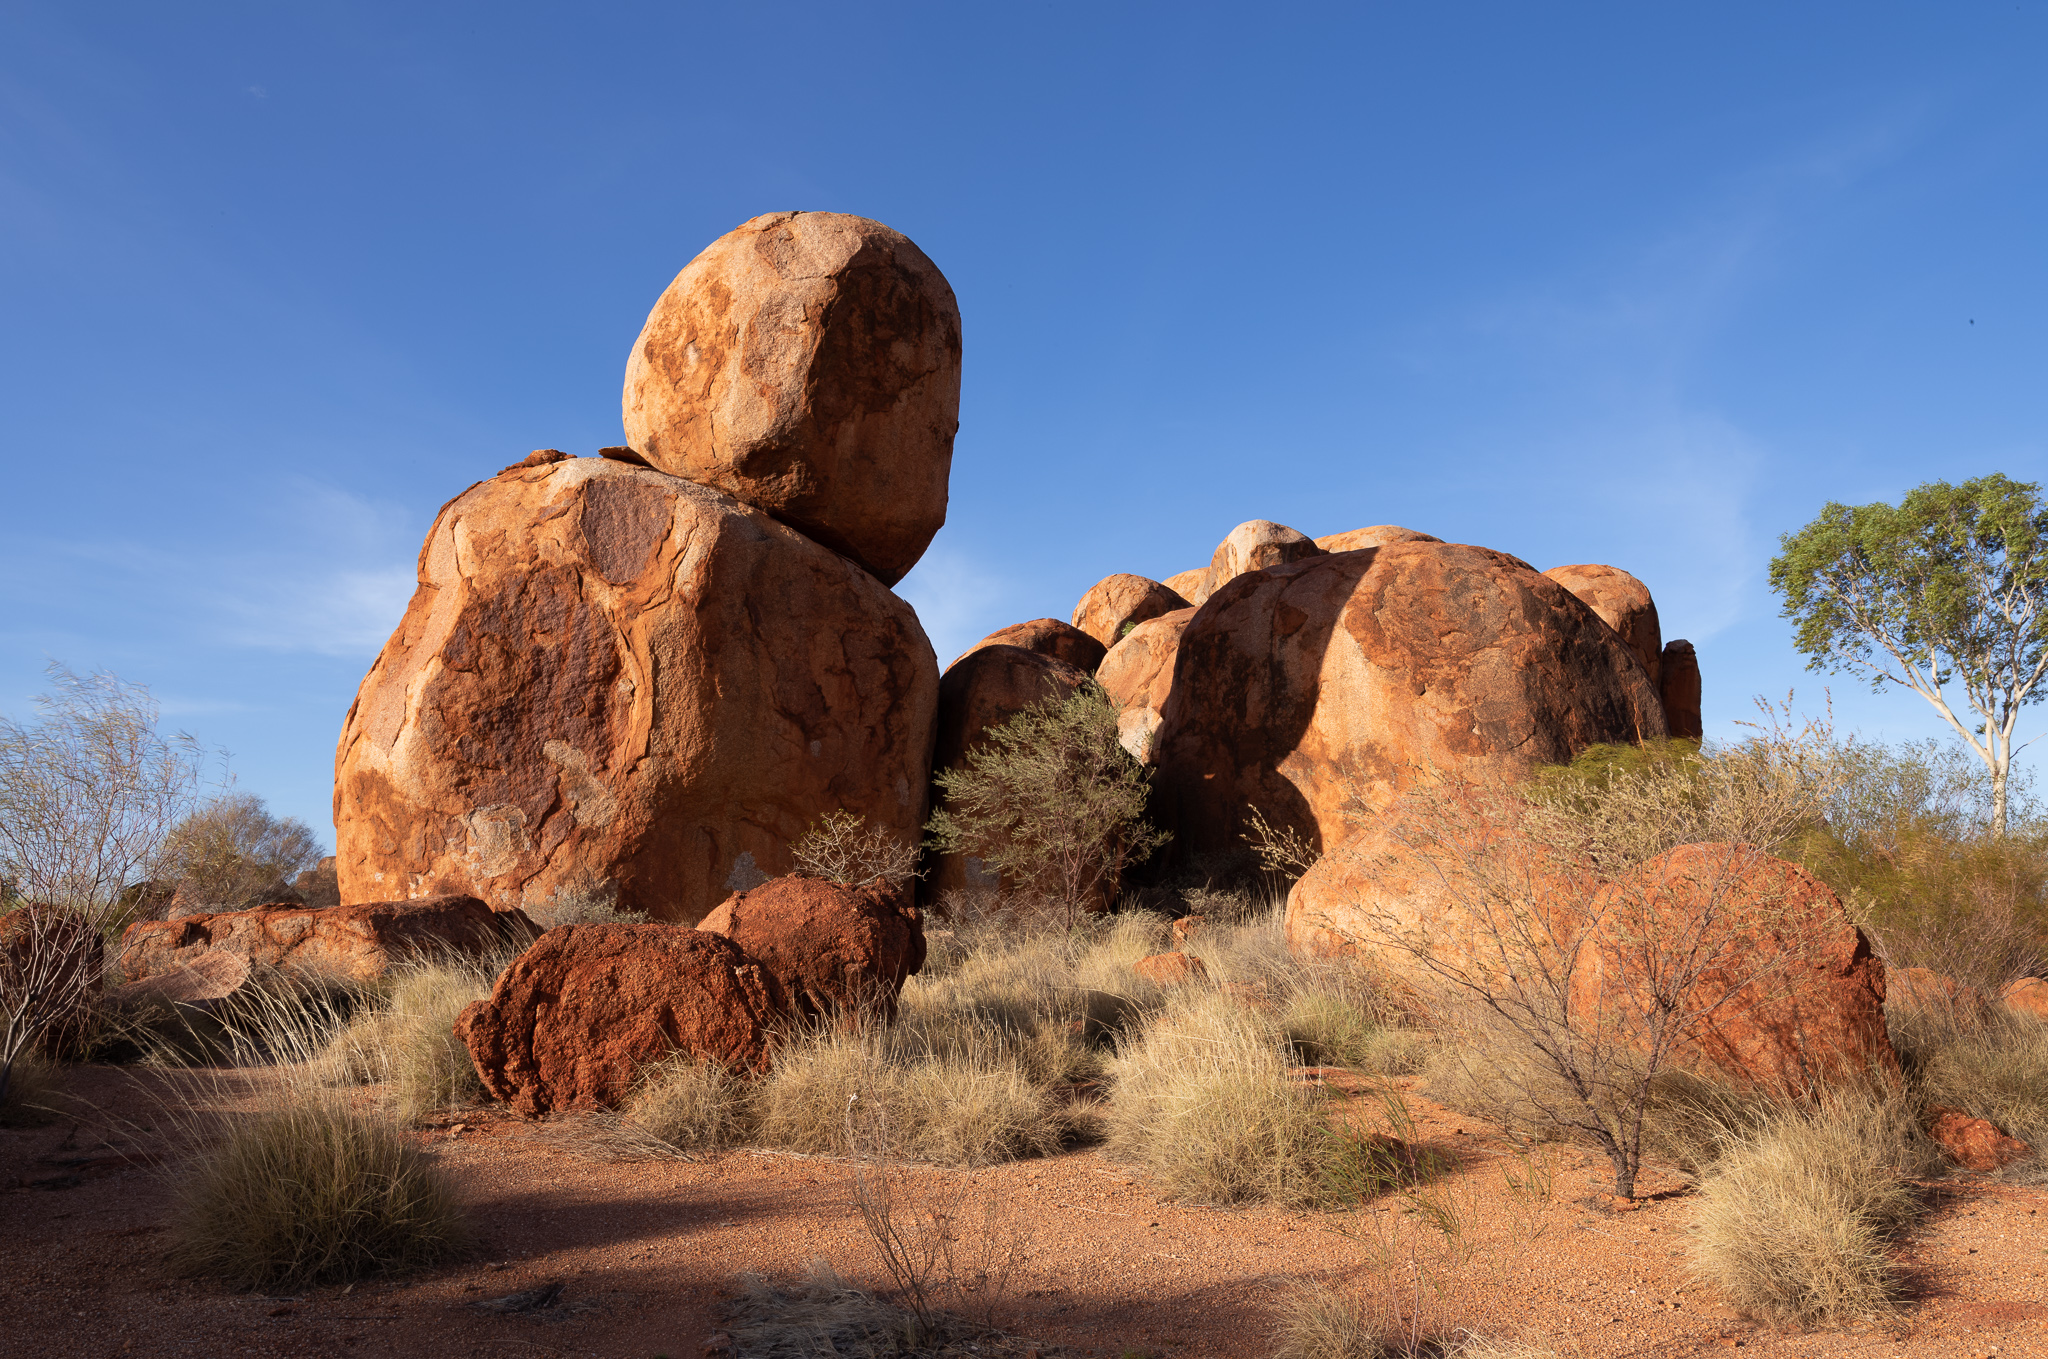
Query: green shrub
point(1052, 801)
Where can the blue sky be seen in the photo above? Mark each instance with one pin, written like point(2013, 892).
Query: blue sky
point(1634, 284)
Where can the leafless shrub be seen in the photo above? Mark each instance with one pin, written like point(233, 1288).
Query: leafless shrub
point(87, 795)
point(1574, 988)
point(841, 847)
point(1281, 850)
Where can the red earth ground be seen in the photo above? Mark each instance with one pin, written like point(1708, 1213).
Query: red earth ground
point(649, 1253)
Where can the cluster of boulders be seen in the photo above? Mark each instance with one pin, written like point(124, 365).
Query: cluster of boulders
point(655, 668)
point(580, 1014)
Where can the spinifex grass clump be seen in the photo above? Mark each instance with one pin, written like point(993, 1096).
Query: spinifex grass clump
point(312, 1192)
point(1796, 1218)
point(1205, 1103)
point(407, 1040)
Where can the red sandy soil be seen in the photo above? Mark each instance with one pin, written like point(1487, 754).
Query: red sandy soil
point(648, 1253)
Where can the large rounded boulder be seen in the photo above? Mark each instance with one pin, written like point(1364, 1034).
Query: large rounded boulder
point(1317, 691)
point(1376, 535)
point(1137, 674)
point(1623, 603)
point(835, 949)
point(613, 679)
point(1255, 545)
point(1771, 983)
point(808, 363)
point(575, 1019)
point(1116, 604)
point(1679, 680)
point(1048, 637)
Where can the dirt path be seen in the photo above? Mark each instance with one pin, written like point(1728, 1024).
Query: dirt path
point(648, 1254)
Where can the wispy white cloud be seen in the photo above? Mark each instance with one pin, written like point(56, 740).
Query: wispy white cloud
point(958, 600)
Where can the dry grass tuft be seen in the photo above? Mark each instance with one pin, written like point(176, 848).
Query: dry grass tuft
point(1796, 1218)
point(312, 1192)
point(965, 1099)
point(684, 1106)
point(1205, 1102)
point(1995, 1069)
point(408, 1042)
point(33, 1085)
point(1316, 1321)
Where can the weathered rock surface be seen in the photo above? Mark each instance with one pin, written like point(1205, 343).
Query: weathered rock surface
point(211, 975)
point(1171, 969)
point(1973, 1143)
point(1302, 686)
point(983, 689)
point(571, 1023)
point(1255, 545)
point(1624, 604)
point(1137, 674)
point(1812, 1009)
point(1047, 637)
point(359, 943)
point(834, 949)
point(1190, 585)
point(610, 676)
point(2028, 995)
point(808, 363)
point(1923, 988)
point(1807, 1003)
point(1116, 604)
point(1679, 682)
point(1379, 535)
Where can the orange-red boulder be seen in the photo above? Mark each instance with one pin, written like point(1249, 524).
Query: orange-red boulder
point(1047, 637)
point(1255, 545)
point(1171, 969)
point(1973, 1143)
point(1624, 604)
point(1306, 688)
point(1189, 585)
point(1808, 993)
point(2028, 995)
point(1679, 685)
point(613, 677)
point(1379, 535)
point(1784, 989)
point(360, 942)
point(1116, 604)
point(577, 1016)
point(983, 689)
point(808, 363)
point(834, 949)
point(1137, 674)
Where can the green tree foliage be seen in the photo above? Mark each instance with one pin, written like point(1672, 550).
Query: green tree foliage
point(1052, 801)
point(231, 849)
point(1946, 587)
